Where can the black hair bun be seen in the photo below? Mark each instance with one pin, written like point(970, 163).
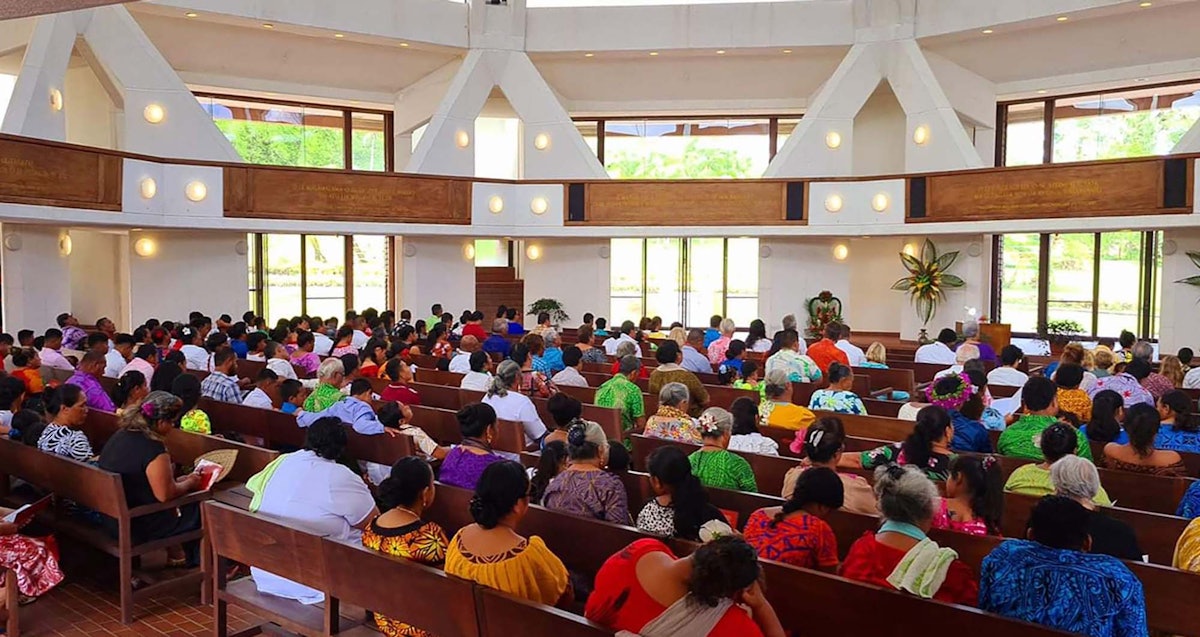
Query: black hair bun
point(577, 434)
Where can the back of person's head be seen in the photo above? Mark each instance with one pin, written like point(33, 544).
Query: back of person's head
point(777, 383)
point(1185, 356)
point(30, 424)
point(519, 353)
point(673, 394)
point(1058, 441)
point(1011, 355)
point(601, 323)
point(818, 485)
point(1127, 339)
point(905, 494)
point(667, 353)
point(1069, 376)
point(66, 395)
point(571, 356)
point(619, 459)
point(563, 409)
point(1179, 403)
point(714, 321)
point(223, 355)
point(409, 478)
point(158, 406)
point(22, 356)
point(629, 364)
point(1075, 477)
point(745, 416)
point(839, 372)
point(735, 349)
point(95, 339)
point(554, 455)
point(349, 363)
point(1103, 357)
point(721, 569)
point(360, 386)
point(947, 336)
point(330, 369)
point(1038, 393)
point(1139, 368)
point(932, 424)
point(1105, 426)
point(1143, 350)
point(474, 419)
point(128, 383)
point(326, 437)
point(715, 423)
point(1059, 523)
point(289, 388)
point(478, 361)
point(984, 481)
point(507, 373)
point(695, 335)
point(824, 439)
point(877, 353)
point(1141, 423)
point(586, 441)
point(501, 488)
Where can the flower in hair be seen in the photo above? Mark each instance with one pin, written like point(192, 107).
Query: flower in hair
point(707, 423)
point(952, 401)
point(714, 529)
point(148, 410)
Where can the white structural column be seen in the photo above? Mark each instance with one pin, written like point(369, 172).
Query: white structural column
point(159, 116)
point(551, 146)
point(1177, 316)
point(884, 50)
point(1190, 142)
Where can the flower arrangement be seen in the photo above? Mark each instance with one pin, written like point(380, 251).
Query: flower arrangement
point(1195, 278)
point(823, 309)
point(928, 279)
point(954, 400)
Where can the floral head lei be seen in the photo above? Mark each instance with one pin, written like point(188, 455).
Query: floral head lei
point(954, 400)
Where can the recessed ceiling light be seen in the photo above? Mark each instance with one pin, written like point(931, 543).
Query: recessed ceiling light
point(988, 31)
point(1041, 91)
point(339, 35)
point(787, 50)
point(653, 53)
point(720, 51)
point(1062, 18)
point(1146, 4)
point(191, 14)
point(268, 25)
point(404, 44)
point(1140, 79)
point(589, 55)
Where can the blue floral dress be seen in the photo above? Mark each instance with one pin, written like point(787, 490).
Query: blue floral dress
point(842, 402)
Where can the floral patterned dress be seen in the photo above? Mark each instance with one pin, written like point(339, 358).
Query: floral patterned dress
point(937, 468)
point(670, 423)
point(842, 402)
point(423, 542)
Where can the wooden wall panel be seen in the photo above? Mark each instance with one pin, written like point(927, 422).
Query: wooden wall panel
point(267, 193)
point(52, 175)
point(1091, 190)
point(680, 203)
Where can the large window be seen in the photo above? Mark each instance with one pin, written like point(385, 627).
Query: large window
point(1130, 122)
point(685, 280)
point(692, 148)
point(318, 275)
point(302, 135)
point(1105, 282)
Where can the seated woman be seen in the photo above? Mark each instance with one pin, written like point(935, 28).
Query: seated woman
point(491, 553)
point(564, 410)
point(1052, 580)
point(838, 397)
point(171, 365)
point(963, 400)
point(822, 446)
point(35, 565)
point(506, 398)
point(671, 421)
point(907, 500)
point(186, 387)
point(974, 501)
point(312, 490)
point(680, 504)
point(551, 463)
point(746, 436)
point(629, 349)
point(1140, 456)
point(480, 376)
point(591, 353)
point(405, 495)
point(1180, 428)
point(1076, 478)
point(1070, 397)
point(1108, 410)
point(67, 405)
point(468, 460)
point(374, 357)
point(714, 464)
point(778, 410)
point(646, 590)
point(343, 342)
point(796, 533)
point(876, 356)
point(927, 447)
point(136, 452)
point(584, 488)
point(129, 391)
point(1058, 441)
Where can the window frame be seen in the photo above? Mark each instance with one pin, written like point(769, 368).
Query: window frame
point(685, 278)
point(259, 292)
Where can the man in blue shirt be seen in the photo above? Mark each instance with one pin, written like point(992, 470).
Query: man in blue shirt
point(714, 329)
point(355, 410)
point(693, 360)
point(496, 342)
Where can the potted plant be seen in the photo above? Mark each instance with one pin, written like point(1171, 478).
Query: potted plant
point(1061, 332)
point(553, 306)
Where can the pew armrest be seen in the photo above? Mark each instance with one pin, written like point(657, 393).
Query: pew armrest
point(885, 392)
point(191, 498)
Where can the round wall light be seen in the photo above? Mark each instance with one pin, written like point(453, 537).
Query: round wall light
point(975, 249)
point(410, 250)
point(833, 203)
point(154, 113)
point(13, 242)
point(910, 249)
point(240, 247)
point(1169, 247)
point(921, 135)
point(539, 205)
point(149, 188)
point(541, 141)
point(833, 139)
point(534, 252)
point(496, 204)
point(56, 100)
point(196, 191)
point(145, 247)
point(880, 202)
point(469, 252)
point(462, 139)
point(64, 244)
point(604, 251)
point(841, 251)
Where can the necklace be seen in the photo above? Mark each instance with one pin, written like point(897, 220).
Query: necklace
point(408, 511)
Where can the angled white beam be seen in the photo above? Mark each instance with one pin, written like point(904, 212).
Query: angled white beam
point(925, 105)
point(940, 17)
point(417, 102)
point(31, 111)
point(1190, 142)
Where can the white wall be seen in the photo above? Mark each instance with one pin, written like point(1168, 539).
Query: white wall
point(571, 271)
point(1178, 325)
point(98, 277)
point(194, 270)
point(872, 305)
point(795, 271)
point(91, 117)
point(437, 272)
point(37, 279)
point(974, 271)
point(879, 135)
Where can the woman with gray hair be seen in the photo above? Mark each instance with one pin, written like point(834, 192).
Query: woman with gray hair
point(584, 488)
point(714, 464)
point(970, 331)
point(1077, 478)
point(671, 421)
point(778, 410)
point(628, 348)
point(506, 398)
point(907, 501)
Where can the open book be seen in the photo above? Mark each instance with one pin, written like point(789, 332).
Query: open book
point(26, 513)
point(209, 472)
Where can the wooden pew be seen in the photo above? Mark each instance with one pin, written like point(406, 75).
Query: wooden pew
point(897, 379)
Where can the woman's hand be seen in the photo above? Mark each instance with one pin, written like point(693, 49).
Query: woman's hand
point(754, 597)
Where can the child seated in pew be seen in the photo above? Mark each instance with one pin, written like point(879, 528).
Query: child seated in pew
point(293, 393)
point(796, 533)
point(186, 387)
point(397, 416)
point(974, 501)
point(551, 462)
point(751, 379)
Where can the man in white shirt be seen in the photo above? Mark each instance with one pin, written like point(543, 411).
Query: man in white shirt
point(51, 356)
point(196, 356)
point(965, 352)
point(1007, 374)
point(118, 355)
point(938, 352)
point(853, 352)
point(461, 363)
point(322, 344)
point(570, 376)
point(1192, 379)
point(625, 336)
point(280, 361)
point(360, 338)
point(260, 396)
point(479, 378)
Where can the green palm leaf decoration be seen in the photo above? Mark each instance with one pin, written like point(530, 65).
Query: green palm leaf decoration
point(1195, 278)
point(928, 279)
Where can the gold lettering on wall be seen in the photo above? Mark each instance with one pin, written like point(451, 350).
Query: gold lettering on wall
point(685, 203)
point(46, 173)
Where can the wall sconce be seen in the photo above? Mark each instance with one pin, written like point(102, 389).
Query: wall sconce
point(833, 139)
point(64, 244)
point(462, 139)
point(149, 188)
point(145, 247)
point(833, 203)
point(496, 204)
point(541, 141)
point(410, 249)
point(56, 100)
point(154, 113)
point(974, 249)
point(910, 249)
point(539, 205)
point(841, 251)
point(241, 248)
point(880, 202)
point(469, 252)
point(196, 191)
point(534, 252)
point(604, 251)
point(921, 135)
point(13, 242)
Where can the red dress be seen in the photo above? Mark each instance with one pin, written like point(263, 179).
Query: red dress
point(620, 603)
point(801, 540)
point(871, 562)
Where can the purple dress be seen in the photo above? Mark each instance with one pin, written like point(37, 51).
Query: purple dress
point(598, 495)
point(461, 468)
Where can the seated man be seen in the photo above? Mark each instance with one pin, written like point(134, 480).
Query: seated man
point(1051, 579)
point(87, 377)
point(1022, 439)
point(260, 396)
point(1006, 373)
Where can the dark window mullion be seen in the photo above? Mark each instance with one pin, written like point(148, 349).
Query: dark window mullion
point(1096, 285)
point(304, 275)
point(1043, 282)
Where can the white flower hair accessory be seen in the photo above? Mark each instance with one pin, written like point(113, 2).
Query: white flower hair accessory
point(707, 423)
point(714, 529)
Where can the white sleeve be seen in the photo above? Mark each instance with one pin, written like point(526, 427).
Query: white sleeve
point(349, 497)
point(534, 429)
